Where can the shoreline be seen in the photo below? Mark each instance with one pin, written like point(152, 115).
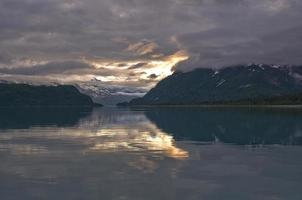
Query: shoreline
point(216, 106)
point(52, 106)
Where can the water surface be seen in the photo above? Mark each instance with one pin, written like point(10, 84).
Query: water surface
point(151, 153)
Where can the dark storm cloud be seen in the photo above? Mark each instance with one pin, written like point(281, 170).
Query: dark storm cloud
point(250, 31)
point(5, 58)
point(215, 33)
point(48, 68)
point(56, 72)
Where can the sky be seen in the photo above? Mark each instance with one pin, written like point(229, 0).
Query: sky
point(135, 43)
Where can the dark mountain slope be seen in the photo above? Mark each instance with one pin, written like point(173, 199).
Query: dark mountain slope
point(29, 95)
point(245, 84)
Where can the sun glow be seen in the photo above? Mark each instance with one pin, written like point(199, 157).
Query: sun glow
point(164, 67)
point(144, 71)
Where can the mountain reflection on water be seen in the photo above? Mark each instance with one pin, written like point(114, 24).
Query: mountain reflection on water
point(150, 153)
point(150, 129)
point(243, 126)
point(27, 117)
point(152, 132)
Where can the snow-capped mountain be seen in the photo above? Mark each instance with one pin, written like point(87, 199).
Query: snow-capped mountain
point(109, 94)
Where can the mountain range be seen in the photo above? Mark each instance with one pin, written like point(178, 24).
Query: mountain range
point(108, 94)
point(242, 84)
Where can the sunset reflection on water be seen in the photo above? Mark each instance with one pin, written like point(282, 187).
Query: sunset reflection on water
point(117, 133)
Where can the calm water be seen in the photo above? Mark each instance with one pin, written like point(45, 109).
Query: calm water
point(163, 153)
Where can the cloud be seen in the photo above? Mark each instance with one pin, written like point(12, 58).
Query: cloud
point(138, 65)
point(47, 69)
point(50, 39)
point(142, 48)
point(152, 76)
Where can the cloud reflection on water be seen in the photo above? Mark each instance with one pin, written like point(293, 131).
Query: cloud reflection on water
point(102, 132)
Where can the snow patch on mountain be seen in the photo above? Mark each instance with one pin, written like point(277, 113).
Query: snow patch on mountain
point(297, 76)
point(220, 82)
point(245, 86)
